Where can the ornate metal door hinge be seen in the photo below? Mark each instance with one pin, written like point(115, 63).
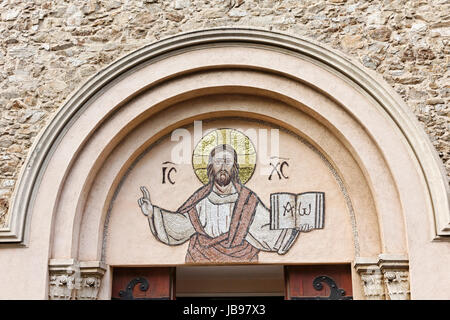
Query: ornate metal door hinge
point(335, 292)
point(127, 294)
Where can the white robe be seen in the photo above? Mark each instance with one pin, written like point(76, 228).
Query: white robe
point(215, 212)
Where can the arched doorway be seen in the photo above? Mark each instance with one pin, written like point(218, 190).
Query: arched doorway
point(362, 145)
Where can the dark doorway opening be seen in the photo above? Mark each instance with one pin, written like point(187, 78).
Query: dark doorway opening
point(230, 282)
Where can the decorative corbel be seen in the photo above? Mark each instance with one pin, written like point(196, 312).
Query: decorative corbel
point(91, 274)
point(395, 269)
point(385, 277)
point(63, 278)
point(70, 279)
point(371, 277)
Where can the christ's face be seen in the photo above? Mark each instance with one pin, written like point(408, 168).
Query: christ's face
point(223, 162)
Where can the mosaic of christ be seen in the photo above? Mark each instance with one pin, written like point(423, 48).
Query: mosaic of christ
point(224, 221)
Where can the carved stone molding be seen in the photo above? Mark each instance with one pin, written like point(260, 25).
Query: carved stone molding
point(396, 276)
point(91, 275)
point(70, 279)
point(64, 275)
point(385, 277)
point(397, 283)
point(371, 277)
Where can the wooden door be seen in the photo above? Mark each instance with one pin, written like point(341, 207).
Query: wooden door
point(155, 283)
point(318, 282)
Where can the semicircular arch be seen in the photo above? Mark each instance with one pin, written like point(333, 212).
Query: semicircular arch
point(354, 107)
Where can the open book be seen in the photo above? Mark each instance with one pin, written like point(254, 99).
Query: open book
point(303, 211)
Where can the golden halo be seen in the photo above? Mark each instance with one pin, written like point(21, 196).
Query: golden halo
point(246, 153)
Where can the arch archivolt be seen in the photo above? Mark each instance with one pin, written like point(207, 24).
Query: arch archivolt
point(169, 87)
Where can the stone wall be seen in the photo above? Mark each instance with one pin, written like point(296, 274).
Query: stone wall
point(48, 49)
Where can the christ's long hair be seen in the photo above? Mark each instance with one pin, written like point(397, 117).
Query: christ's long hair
point(234, 171)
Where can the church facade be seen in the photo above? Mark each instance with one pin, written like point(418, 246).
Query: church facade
point(216, 153)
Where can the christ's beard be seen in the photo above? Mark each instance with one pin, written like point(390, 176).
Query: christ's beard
point(223, 178)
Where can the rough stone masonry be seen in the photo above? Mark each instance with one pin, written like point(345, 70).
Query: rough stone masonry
point(48, 49)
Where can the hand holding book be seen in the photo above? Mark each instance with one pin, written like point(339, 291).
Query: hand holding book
point(303, 211)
